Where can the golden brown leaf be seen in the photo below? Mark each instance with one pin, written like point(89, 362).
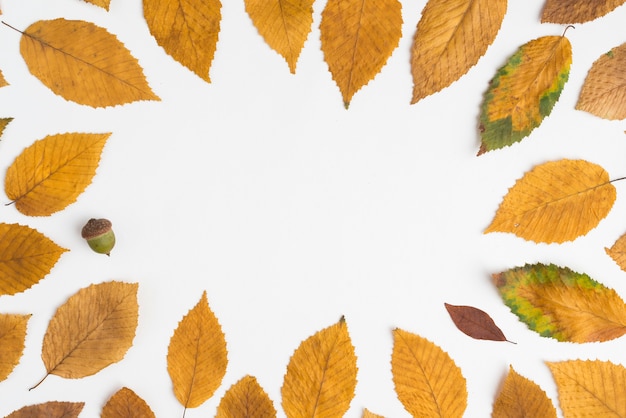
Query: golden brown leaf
point(358, 36)
point(3, 81)
point(576, 11)
point(590, 388)
point(126, 404)
point(3, 124)
point(12, 336)
point(26, 256)
point(53, 172)
point(368, 414)
point(187, 30)
point(49, 410)
point(522, 398)
point(321, 375)
point(246, 399)
point(284, 24)
point(427, 381)
point(100, 3)
point(451, 37)
point(556, 201)
point(197, 356)
point(618, 252)
point(83, 63)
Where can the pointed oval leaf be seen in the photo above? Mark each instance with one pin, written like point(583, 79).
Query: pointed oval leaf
point(321, 375)
point(556, 201)
point(559, 303)
point(284, 24)
point(451, 37)
point(427, 381)
point(187, 30)
point(49, 410)
point(126, 404)
point(618, 252)
point(100, 3)
point(12, 337)
point(475, 323)
point(246, 399)
point(524, 91)
point(197, 356)
point(83, 63)
point(358, 36)
point(577, 11)
point(51, 173)
point(368, 414)
point(26, 257)
point(3, 124)
point(522, 398)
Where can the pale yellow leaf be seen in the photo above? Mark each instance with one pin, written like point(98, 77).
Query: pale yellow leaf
point(577, 11)
point(368, 414)
point(100, 3)
point(126, 404)
point(49, 410)
point(12, 337)
point(522, 398)
point(246, 399)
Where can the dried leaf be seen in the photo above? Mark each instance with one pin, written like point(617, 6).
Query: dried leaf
point(524, 91)
point(358, 36)
point(3, 124)
point(187, 30)
point(522, 398)
point(126, 404)
point(3, 81)
point(475, 323)
point(590, 388)
point(451, 37)
point(368, 414)
point(100, 3)
point(51, 173)
point(604, 92)
point(49, 410)
point(83, 63)
point(12, 337)
point(197, 356)
point(321, 375)
point(556, 201)
point(576, 11)
point(246, 399)
point(284, 24)
point(26, 256)
point(427, 381)
point(618, 252)
point(560, 303)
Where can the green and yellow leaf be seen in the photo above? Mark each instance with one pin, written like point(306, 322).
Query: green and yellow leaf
point(576, 11)
point(522, 398)
point(12, 337)
point(246, 399)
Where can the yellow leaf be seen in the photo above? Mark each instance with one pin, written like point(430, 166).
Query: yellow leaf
point(3, 81)
point(451, 37)
point(26, 256)
point(53, 172)
point(12, 336)
point(100, 3)
point(556, 201)
point(321, 375)
point(126, 404)
point(83, 63)
point(427, 381)
point(246, 399)
point(590, 388)
point(358, 36)
point(92, 330)
point(49, 410)
point(197, 356)
point(187, 30)
point(284, 24)
point(521, 398)
point(576, 11)
point(618, 252)
point(368, 414)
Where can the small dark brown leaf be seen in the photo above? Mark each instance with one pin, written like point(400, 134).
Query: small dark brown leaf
point(475, 323)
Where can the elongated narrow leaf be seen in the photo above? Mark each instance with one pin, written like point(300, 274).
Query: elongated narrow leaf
point(83, 63)
point(246, 399)
point(524, 91)
point(559, 303)
point(556, 201)
point(358, 36)
point(321, 375)
point(427, 381)
point(49, 410)
point(126, 404)
point(12, 337)
point(100, 3)
point(522, 398)
point(451, 37)
point(475, 323)
point(577, 11)
point(53, 172)
point(618, 252)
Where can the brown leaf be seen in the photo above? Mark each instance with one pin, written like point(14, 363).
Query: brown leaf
point(12, 337)
point(618, 252)
point(368, 414)
point(100, 3)
point(26, 256)
point(246, 399)
point(126, 404)
point(49, 410)
point(475, 323)
point(522, 398)
point(576, 11)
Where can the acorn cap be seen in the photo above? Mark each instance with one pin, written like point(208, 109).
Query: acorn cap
point(96, 227)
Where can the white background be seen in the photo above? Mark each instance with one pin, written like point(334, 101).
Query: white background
point(291, 211)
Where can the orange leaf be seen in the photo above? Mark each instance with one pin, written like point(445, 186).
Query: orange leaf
point(53, 172)
point(12, 337)
point(618, 252)
point(3, 81)
point(197, 356)
point(246, 399)
point(284, 24)
point(83, 63)
point(368, 414)
point(451, 37)
point(321, 375)
point(126, 404)
point(427, 381)
point(100, 3)
point(358, 36)
point(556, 201)
point(576, 11)
point(49, 410)
point(521, 398)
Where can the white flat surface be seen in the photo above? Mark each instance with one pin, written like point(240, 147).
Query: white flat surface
point(291, 211)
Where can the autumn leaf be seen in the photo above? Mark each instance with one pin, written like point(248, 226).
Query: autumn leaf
point(556, 201)
point(368, 414)
point(246, 399)
point(100, 3)
point(49, 410)
point(51, 173)
point(12, 337)
point(284, 24)
point(197, 356)
point(3, 81)
point(451, 37)
point(559, 303)
point(427, 381)
point(26, 256)
point(187, 30)
point(524, 91)
point(321, 375)
point(475, 323)
point(604, 92)
point(590, 388)
point(521, 398)
point(576, 11)
point(83, 63)
point(126, 404)
point(3, 124)
point(358, 36)
point(618, 252)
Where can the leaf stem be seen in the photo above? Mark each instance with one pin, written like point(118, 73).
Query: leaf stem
point(567, 27)
point(41, 381)
point(618, 179)
point(14, 28)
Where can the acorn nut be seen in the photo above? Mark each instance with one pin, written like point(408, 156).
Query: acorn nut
point(99, 235)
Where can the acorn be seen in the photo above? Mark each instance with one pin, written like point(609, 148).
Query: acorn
point(99, 235)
